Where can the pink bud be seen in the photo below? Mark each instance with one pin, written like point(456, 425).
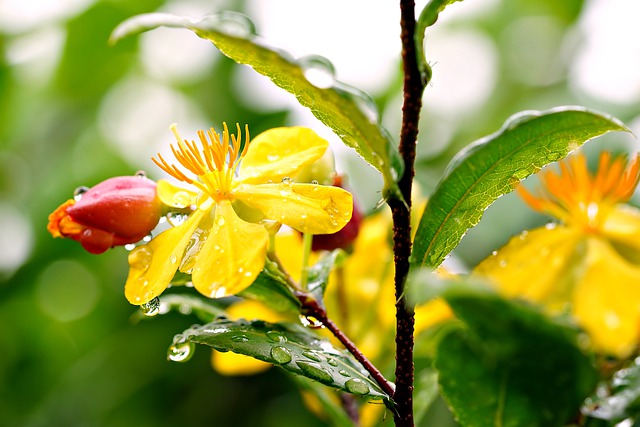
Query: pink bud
point(116, 212)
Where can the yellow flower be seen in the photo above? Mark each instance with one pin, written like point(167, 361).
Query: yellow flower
point(589, 263)
point(234, 187)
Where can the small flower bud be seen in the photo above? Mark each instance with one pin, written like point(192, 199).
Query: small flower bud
point(116, 212)
point(322, 171)
point(341, 239)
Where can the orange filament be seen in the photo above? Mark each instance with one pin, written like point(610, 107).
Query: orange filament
point(576, 196)
point(215, 163)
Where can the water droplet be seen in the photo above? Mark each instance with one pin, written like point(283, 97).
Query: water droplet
point(151, 308)
point(140, 258)
point(181, 199)
point(344, 373)
point(287, 180)
point(181, 352)
point(502, 263)
point(141, 174)
point(303, 216)
point(314, 182)
point(173, 259)
point(550, 225)
point(272, 157)
point(129, 246)
point(312, 355)
point(231, 23)
point(239, 338)
point(494, 253)
point(332, 362)
point(276, 337)
point(318, 71)
point(220, 221)
point(357, 386)
point(365, 103)
point(78, 192)
point(315, 372)
point(311, 322)
point(281, 355)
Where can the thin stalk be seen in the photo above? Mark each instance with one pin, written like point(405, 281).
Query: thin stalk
point(413, 88)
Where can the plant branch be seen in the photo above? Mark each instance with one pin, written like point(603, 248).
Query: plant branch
point(401, 212)
point(312, 308)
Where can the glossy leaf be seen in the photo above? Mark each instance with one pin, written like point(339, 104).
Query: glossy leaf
point(290, 346)
point(318, 275)
point(510, 365)
point(349, 112)
point(494, 166)
point(272, 290)
point(617, 400)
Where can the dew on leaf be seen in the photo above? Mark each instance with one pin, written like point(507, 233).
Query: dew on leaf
point(312, 355)
point(276, 337)
point(314, 371)
point(281, 355)
point(357, 386)
point(181, 352)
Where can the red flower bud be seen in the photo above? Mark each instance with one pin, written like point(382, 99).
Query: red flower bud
point(116, 212)
point(343, 238)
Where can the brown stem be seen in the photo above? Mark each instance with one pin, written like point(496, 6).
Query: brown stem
point(311, 308)
point(401, 213)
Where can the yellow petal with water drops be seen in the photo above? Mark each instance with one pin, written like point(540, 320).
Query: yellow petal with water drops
point(232, 256)
point(607, 300)
point(153, 265)
point(308, 208)
point(174, 196)
point(536, 265)
point(279, 153)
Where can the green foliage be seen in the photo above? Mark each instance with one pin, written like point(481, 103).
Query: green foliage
point(510, 365)
point(616, 400)
point(494, 166)
point(289, 346)
point(349, 112)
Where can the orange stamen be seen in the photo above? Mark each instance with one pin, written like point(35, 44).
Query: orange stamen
point(576, 196)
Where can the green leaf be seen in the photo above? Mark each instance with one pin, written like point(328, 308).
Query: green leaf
point(272, 290)
point(510, 365)
point(349, 112)
point(318, 275)
point(494, 166)
point(427, 18)
point(290, 346)
point(618, 399)
point(332, 408)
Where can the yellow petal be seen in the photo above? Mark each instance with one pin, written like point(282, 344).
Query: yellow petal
point(623, 226)
point(232, 256)
point(232, 364)
point(153, 265)
point(279, 153)
point(174, 196)
point(536, 265)
point(309, 208)
point(607, 300)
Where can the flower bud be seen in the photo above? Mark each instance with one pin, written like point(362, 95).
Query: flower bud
point(116, 212)
point(341, 239)
point(322, 171)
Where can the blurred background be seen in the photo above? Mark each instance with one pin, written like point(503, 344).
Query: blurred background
point(75, 111)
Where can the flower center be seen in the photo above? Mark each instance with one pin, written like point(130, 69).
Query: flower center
point(580, 198)
point(214, 163)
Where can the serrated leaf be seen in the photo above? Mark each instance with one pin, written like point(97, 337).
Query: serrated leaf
point(494, 166)
point(347, 111)
point(289, 346)
point(511, 365)
point(618, 399)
